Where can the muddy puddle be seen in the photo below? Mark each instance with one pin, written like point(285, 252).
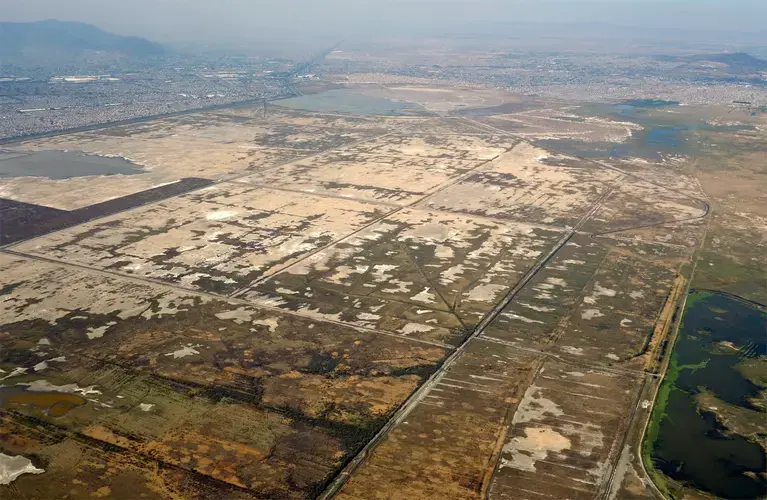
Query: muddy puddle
point(344, 101)
point(710, 412)
point(53, 404)
point(65, 165)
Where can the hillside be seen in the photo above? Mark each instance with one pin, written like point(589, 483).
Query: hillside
point(731, 62)
point(45, 42)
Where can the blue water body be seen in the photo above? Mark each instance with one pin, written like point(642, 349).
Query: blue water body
point(654, 141)
point(634, 107)
point(625, 109)
point(651, 143)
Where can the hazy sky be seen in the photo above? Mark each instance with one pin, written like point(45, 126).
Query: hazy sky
point(222, 20)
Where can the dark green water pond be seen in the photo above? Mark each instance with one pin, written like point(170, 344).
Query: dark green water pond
point(691, 445)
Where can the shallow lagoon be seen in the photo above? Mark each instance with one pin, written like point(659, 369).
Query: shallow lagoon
point(64, 165)
point(344, 101)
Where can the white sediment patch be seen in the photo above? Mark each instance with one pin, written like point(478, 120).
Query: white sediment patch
point(428, 232)
point(591, 314)
point(368, 316)
point(536, 445)
point(556, 281)
point(603, 291)
point(381, 272)
point(416, 328)
point(424, 296)
point(320, 260)
point(522, 452)
point(146, 406)
point(187, 350)
point(537, 308)
point(12, 467)
point(444, 252)
point(599, 291)
point(590, 437)
point(267, 300)
point(45, 386)
point(485, 293)
point(521, 318)
point(271, 323)
point(295, 246)
point(97, 333)
point(221, 215)
point(527, 253)
point(15, 372)
point(168, 306)
point(535, 407)
point(402, 286)
point(451, 274)
point(343, 272)
point(576, 351)
point(315, 312)
point(134, 267)
point(239, 315)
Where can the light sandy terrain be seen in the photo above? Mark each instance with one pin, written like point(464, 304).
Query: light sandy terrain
point(521, 186)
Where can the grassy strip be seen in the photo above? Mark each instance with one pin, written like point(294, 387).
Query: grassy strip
point(658, 414)
point(661, 402)
point(696, 297)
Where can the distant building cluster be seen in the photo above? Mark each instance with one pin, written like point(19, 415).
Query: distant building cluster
point(572, 76)
point(43, 103)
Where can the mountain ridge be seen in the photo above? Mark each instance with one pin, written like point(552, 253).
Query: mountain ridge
point(51, 40)
point(735, 62)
